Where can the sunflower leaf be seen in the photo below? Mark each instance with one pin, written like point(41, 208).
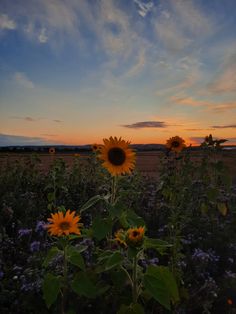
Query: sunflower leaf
point(114, 260)
point(92, 201)
point(161, 284)
point(133, 308)
point(51, 254)
point(83, 286)
point(75, 257)
point(160, 245)
point(51, 289)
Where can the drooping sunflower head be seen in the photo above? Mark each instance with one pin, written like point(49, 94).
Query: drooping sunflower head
point(60, 224)
point(120, 237)
point(117, 157)
point(175, 144)
point(95, 147)
point(135, 236)
point(52, 150)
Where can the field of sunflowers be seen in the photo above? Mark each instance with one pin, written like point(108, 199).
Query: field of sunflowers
point(101, 238)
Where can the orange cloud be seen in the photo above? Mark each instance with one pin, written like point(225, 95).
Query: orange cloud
point(209, 105)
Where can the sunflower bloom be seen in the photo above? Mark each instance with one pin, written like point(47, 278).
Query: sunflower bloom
point(95, 147)
point(135, 236)
point(61, 224)
point(51, 150)
point(120, 237)
point(176, 144)
point(117, 157)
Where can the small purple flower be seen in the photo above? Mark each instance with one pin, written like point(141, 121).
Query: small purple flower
point(208, 256)
point(40, 227)
point(231, 260)
point(229, 274)
point(1, 274)
point(154, 261)
point(24, 232)
point(35, 246)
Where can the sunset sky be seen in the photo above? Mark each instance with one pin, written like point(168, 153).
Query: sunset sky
point(78, 71)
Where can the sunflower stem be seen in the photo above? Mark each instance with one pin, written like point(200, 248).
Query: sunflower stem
point(128, 275)
point(63, 300)
point(135, 284)
point(113, 189)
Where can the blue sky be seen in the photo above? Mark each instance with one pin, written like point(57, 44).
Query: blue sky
point(76, 71)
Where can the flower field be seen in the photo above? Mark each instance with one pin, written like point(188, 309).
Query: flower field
point(101, 237)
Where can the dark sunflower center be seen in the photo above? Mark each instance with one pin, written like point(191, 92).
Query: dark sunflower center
point(65, 225)
point(95, 147)
point(116, 156)
point(175, 144)
point(135, 233)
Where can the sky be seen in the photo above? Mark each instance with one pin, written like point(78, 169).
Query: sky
point(76, 71)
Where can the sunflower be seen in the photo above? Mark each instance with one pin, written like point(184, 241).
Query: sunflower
point(52, 150)
point(120, 237)
point(134, 236)
point(95, 147)
point(117, 156)
point(63, 224)
point(176, 144)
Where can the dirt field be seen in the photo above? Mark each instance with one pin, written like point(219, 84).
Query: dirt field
point(148, 163)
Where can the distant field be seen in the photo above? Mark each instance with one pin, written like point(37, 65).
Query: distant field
point(148, 163)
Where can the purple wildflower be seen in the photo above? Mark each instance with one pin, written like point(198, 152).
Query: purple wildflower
point(35, 246)
point(24, 232)
point(229, 274)
point(40, 227)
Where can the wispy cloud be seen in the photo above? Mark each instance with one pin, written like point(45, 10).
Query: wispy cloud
point(232, 126)
point(146, 124)
point(31, 119)
point(6, 23)
point(181, 24)
point(205, 104)
point(43, 38)
point(12, 140)
point(144, 8)
point(225, 79)
point(28, 119)
point(21, 79)
point(195, 130)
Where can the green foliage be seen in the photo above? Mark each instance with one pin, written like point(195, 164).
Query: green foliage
point(51, 289)
point(75, 258)
point(160, 283)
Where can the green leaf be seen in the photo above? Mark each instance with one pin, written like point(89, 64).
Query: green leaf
point(159, 245)
point(101, 227)
point(75, 257)
point(92, 201)
point(51, 254)
point(114, 260)
point(51, 289)
point(134, 220)
point(83, 286)
point(204, 208)
point(161, 284)
point(51, 196)
point(115, 210)
point(123, 220)
point(212, 194)
point(133, 308)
